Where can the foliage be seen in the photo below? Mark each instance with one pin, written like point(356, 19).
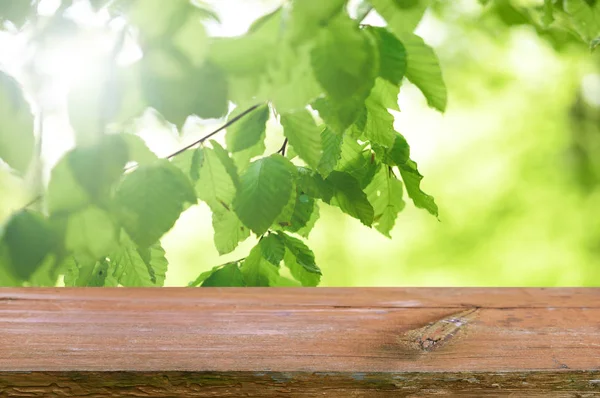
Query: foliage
point(329, 80)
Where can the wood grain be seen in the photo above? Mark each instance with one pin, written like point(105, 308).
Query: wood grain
point(299, 342)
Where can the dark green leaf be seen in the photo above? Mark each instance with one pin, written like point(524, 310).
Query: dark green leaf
point(350, 198)
point(313, 185)
point(16, 131)
point(272, 249)
point(247, 132)
point(227, 276)
point(304, 135)
point(392, 55)
point(412, 179)
point(265, 188)
point(301, 261)
point(150, 200)
point(26, 241)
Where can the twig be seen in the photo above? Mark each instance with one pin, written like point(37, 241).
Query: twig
point(224, 126)
point(282, 149)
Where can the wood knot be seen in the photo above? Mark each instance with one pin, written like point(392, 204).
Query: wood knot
point(437, 334)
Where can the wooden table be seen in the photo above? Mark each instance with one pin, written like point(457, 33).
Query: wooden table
point(397, 342)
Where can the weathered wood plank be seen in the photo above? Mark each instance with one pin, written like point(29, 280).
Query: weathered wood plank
point(230, 342)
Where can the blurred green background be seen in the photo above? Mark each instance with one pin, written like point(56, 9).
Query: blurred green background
point(513, 164)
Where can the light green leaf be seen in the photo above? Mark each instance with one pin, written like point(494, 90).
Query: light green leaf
point(424, 71)
point(344, 59)
point(229, 231)
point(138, 150)
point(308, 16)
point(215, 185)
point(304, 135)
point(89, 273)
point(585, 18)
point(301, 261)
point(398, 154)
point(150, 200)
point(91, 232)
point(412, 179)
point(350, 198)
point(248, 131)
point(332, 151)
point(379, 125)
point(227, 276)
point(357, 160)
point(135, 267)
point(16, 11)
point(265, 188)
point(177, 89)
point(402, 16)
point(25, 242)
point(87, 174)
point(190, 162)
point(392, 55)
point(16, 131)
point(285, 217)
point(385, 194)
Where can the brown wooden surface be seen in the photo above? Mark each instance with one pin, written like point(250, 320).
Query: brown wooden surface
point(299, 342)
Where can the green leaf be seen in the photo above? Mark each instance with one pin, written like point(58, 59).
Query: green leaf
point(16, 11)
point(150, 200)
point(548, 17)
point(91, 232)
point(265, 188)
point(89, 273)
point(344, 59)
point(385, 194)
point(258, 271)
point(178, 89)
point(229, 231)
point(285, 217)
point(138, 150)
point(215, 185)
point(26, 240)
point(304, 135)
point(226, 161)
point(585, 18)
point(272, 249)
point(357, 160)
point(248, 131)
point(16, 132)
point(392, 55)
point(424, 71)
point(398, 154)
point(87, 174)
point(301, 261)
point(313, 185)
point(412, 179)
point(304, 208)
point(227, 276)
point(190, 162)
point(332, 151)
point(401, 15)
point(308, 16)
point(136, 267)
point(379, 124)
point(350, 198)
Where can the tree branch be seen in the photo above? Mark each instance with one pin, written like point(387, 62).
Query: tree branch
point(282, 149)
point(224, 126)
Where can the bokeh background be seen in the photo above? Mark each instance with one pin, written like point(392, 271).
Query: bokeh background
point(514, 163)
